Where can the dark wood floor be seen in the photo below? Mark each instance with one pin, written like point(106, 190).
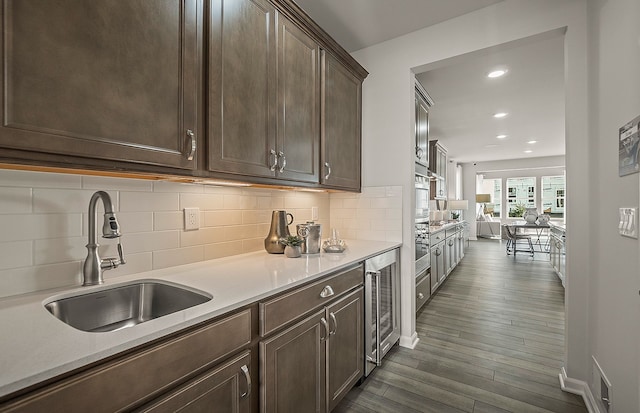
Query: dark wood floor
point(491, 340)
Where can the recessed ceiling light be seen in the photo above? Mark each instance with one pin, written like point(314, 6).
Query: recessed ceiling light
point(528, 151)
point(497, 73)
point(532, 142)
point(501, 136)
point(500, 115)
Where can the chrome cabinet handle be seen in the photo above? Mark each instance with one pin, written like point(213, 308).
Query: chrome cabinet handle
point(438, 252)
point(192, 149)
point(328, 170)
point(247, 377)
point(326, 292)
point(284, 161)
point(420, 296)
point(335, 324)
point(419, 152)
point(275, 160)
point(324, 323)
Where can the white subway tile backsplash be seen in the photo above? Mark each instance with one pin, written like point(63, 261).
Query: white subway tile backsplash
point(203, 201)
point(15, 200)
point(150, 241)
point(202, 236)
point(135, 222)
point(180, 256)
point(28, 279)
point(222, 249)
point(104, 183)
point(64, 201)
point(163, 221)
point(152, 201)
point(177, 187)
point(222, 218)
point(58, 250)
point(17, 227)
point(135, 263)
point(15, 254)
point(31, 179)
point(44, 220)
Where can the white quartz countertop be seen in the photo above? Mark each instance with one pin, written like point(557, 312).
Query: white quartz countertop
point(36, 346)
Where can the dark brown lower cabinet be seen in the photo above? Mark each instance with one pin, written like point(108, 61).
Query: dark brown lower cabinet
point(224, 389)
point(310, 366)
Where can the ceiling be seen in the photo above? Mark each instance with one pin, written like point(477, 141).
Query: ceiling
point(532, 92)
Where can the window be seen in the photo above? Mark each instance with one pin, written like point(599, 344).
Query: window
point(494, 188)
point(521, 194)
point(553, 188)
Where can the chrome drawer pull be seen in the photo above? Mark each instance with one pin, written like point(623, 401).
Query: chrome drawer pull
point(327, 292)
point(335, 324)
point(275, 160)
point(247, 377)
point(420, 296)
point(192, 149)
point(324, 323)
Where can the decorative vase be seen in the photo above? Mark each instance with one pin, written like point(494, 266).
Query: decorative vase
point(530, 215)
point(543, 219)
point(292, 251)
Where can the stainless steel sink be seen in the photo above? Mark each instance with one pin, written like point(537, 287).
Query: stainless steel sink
point(124, 306)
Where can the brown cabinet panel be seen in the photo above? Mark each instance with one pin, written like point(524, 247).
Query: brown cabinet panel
point(225, 389)
point(293, 368)
point(279, 311)
point(242, 90)
point(345, 345)
point(109, 79)
point(341, 125)
point(298, 103)
point(133, 379)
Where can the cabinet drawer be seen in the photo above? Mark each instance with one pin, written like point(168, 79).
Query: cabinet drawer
point(286, 308)
point(449, 232)
point(437, 237)
point(423, 291)
point(127, 381)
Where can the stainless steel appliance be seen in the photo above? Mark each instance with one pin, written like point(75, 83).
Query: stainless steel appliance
point(421, 234)
point(422, 248)
point(382, 312)
point(422, 197)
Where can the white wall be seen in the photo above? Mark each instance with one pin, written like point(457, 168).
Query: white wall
point(43, 217)
point(614, 304)
point(388, 119)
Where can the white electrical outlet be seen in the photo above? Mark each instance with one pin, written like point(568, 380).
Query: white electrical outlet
point(191, 219)
point(314, 213)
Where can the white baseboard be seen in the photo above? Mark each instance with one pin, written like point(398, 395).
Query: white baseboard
point(409, 342)
point(581, 388)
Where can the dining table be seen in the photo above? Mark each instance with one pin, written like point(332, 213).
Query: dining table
point(540, 230)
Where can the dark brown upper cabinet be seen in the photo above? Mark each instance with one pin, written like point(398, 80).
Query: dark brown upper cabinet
point(263, 93)
point(341, 125)
point(103, 80)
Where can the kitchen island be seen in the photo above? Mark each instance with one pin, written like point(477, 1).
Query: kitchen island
point(37, 348)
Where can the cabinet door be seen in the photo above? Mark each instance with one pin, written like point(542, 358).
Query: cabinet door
point(298, 103)
point(115, 80)
point(345, 345)
point(293, 368)
point(341, 125)
point(225, 389)
point(242, 87)
point(422, 130)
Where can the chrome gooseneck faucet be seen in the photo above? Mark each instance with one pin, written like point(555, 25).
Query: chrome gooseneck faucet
point(93, 265)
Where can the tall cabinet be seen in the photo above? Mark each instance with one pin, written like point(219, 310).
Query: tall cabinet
point(93, 82)
point(438, 168)
point(422, 104)
point(263, 93)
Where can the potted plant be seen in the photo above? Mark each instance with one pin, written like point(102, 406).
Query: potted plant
point(292, 245)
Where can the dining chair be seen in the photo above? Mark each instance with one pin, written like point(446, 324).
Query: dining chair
point(512, 241)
